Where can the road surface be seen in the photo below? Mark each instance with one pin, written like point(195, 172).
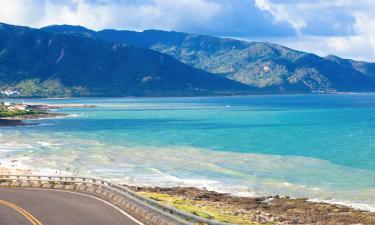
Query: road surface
point(20, 206)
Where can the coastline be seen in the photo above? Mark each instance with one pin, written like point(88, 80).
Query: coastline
point(226, 207)
point(295, 204)
point(44, 113)
point(256, 210)
point(16, 165)
point(11, 123)
point(20, 120)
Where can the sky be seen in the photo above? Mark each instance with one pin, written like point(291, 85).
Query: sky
point(340, 27)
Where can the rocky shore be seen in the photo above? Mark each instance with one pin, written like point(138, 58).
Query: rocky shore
point(11, 123)
point(33, 111)
point(38, 116)
point(269, 210)
point(44, 106)
point(19, 120)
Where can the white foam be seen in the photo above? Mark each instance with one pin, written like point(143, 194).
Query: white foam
point(42, 124)
point(57, 117)
point(13, 147)
point(70, 116)
point(360, 206)
point(185, 166)
point(45, 144)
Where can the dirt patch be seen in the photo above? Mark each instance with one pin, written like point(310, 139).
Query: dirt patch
point(262, 210)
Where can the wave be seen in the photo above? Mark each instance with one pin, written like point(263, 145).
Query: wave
point(354, 205)
point(47, 144)
point(242, 174)
point(58, 117)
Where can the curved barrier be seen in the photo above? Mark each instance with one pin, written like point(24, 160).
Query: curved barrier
point(145, 209)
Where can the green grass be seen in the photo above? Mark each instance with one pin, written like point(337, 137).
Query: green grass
point(199, 208)
point(7, 114)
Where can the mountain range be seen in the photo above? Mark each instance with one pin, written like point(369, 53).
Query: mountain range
point(64, 60)
point(42, 64)
point(258, 64)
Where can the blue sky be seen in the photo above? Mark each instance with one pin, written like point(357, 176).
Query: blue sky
point(340, 27)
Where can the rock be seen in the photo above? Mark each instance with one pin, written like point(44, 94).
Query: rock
point(277, 210)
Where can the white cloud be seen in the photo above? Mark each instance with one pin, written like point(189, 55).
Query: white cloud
point(358, 16)
point(281, 13)
point(16, 12)
point(341, 27)
point(215, 17)
point(137, 15)
point(353, 47)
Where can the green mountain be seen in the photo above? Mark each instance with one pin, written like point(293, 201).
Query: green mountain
point(257, 64)
point(35, 62)
point(361, 66)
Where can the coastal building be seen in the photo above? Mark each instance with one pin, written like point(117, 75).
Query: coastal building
point(16, 107)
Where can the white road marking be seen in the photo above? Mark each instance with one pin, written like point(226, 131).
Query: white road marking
point(90, 196)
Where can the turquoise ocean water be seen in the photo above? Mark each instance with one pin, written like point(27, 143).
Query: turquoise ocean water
point(316, 146)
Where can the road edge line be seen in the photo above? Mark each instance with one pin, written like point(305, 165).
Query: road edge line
point(94, 197)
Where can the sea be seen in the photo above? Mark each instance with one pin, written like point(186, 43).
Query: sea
point(320, 147)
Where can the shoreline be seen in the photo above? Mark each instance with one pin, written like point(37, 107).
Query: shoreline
point(78, 105)
point(259, 209)
point(227, 207)
point(20, 120)
point(256, 210)
point(44, 113)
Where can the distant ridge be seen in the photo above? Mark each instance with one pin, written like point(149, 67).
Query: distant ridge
point(38, 63)
point(258, 64)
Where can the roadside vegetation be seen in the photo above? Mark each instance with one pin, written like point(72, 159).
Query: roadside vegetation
point(270, 210)
point(203, 209)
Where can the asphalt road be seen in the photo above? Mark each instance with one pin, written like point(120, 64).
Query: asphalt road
point(48, 207)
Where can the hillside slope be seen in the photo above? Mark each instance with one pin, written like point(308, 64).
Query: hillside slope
point(39, 63)
point(257, 64)
point(361, 66)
